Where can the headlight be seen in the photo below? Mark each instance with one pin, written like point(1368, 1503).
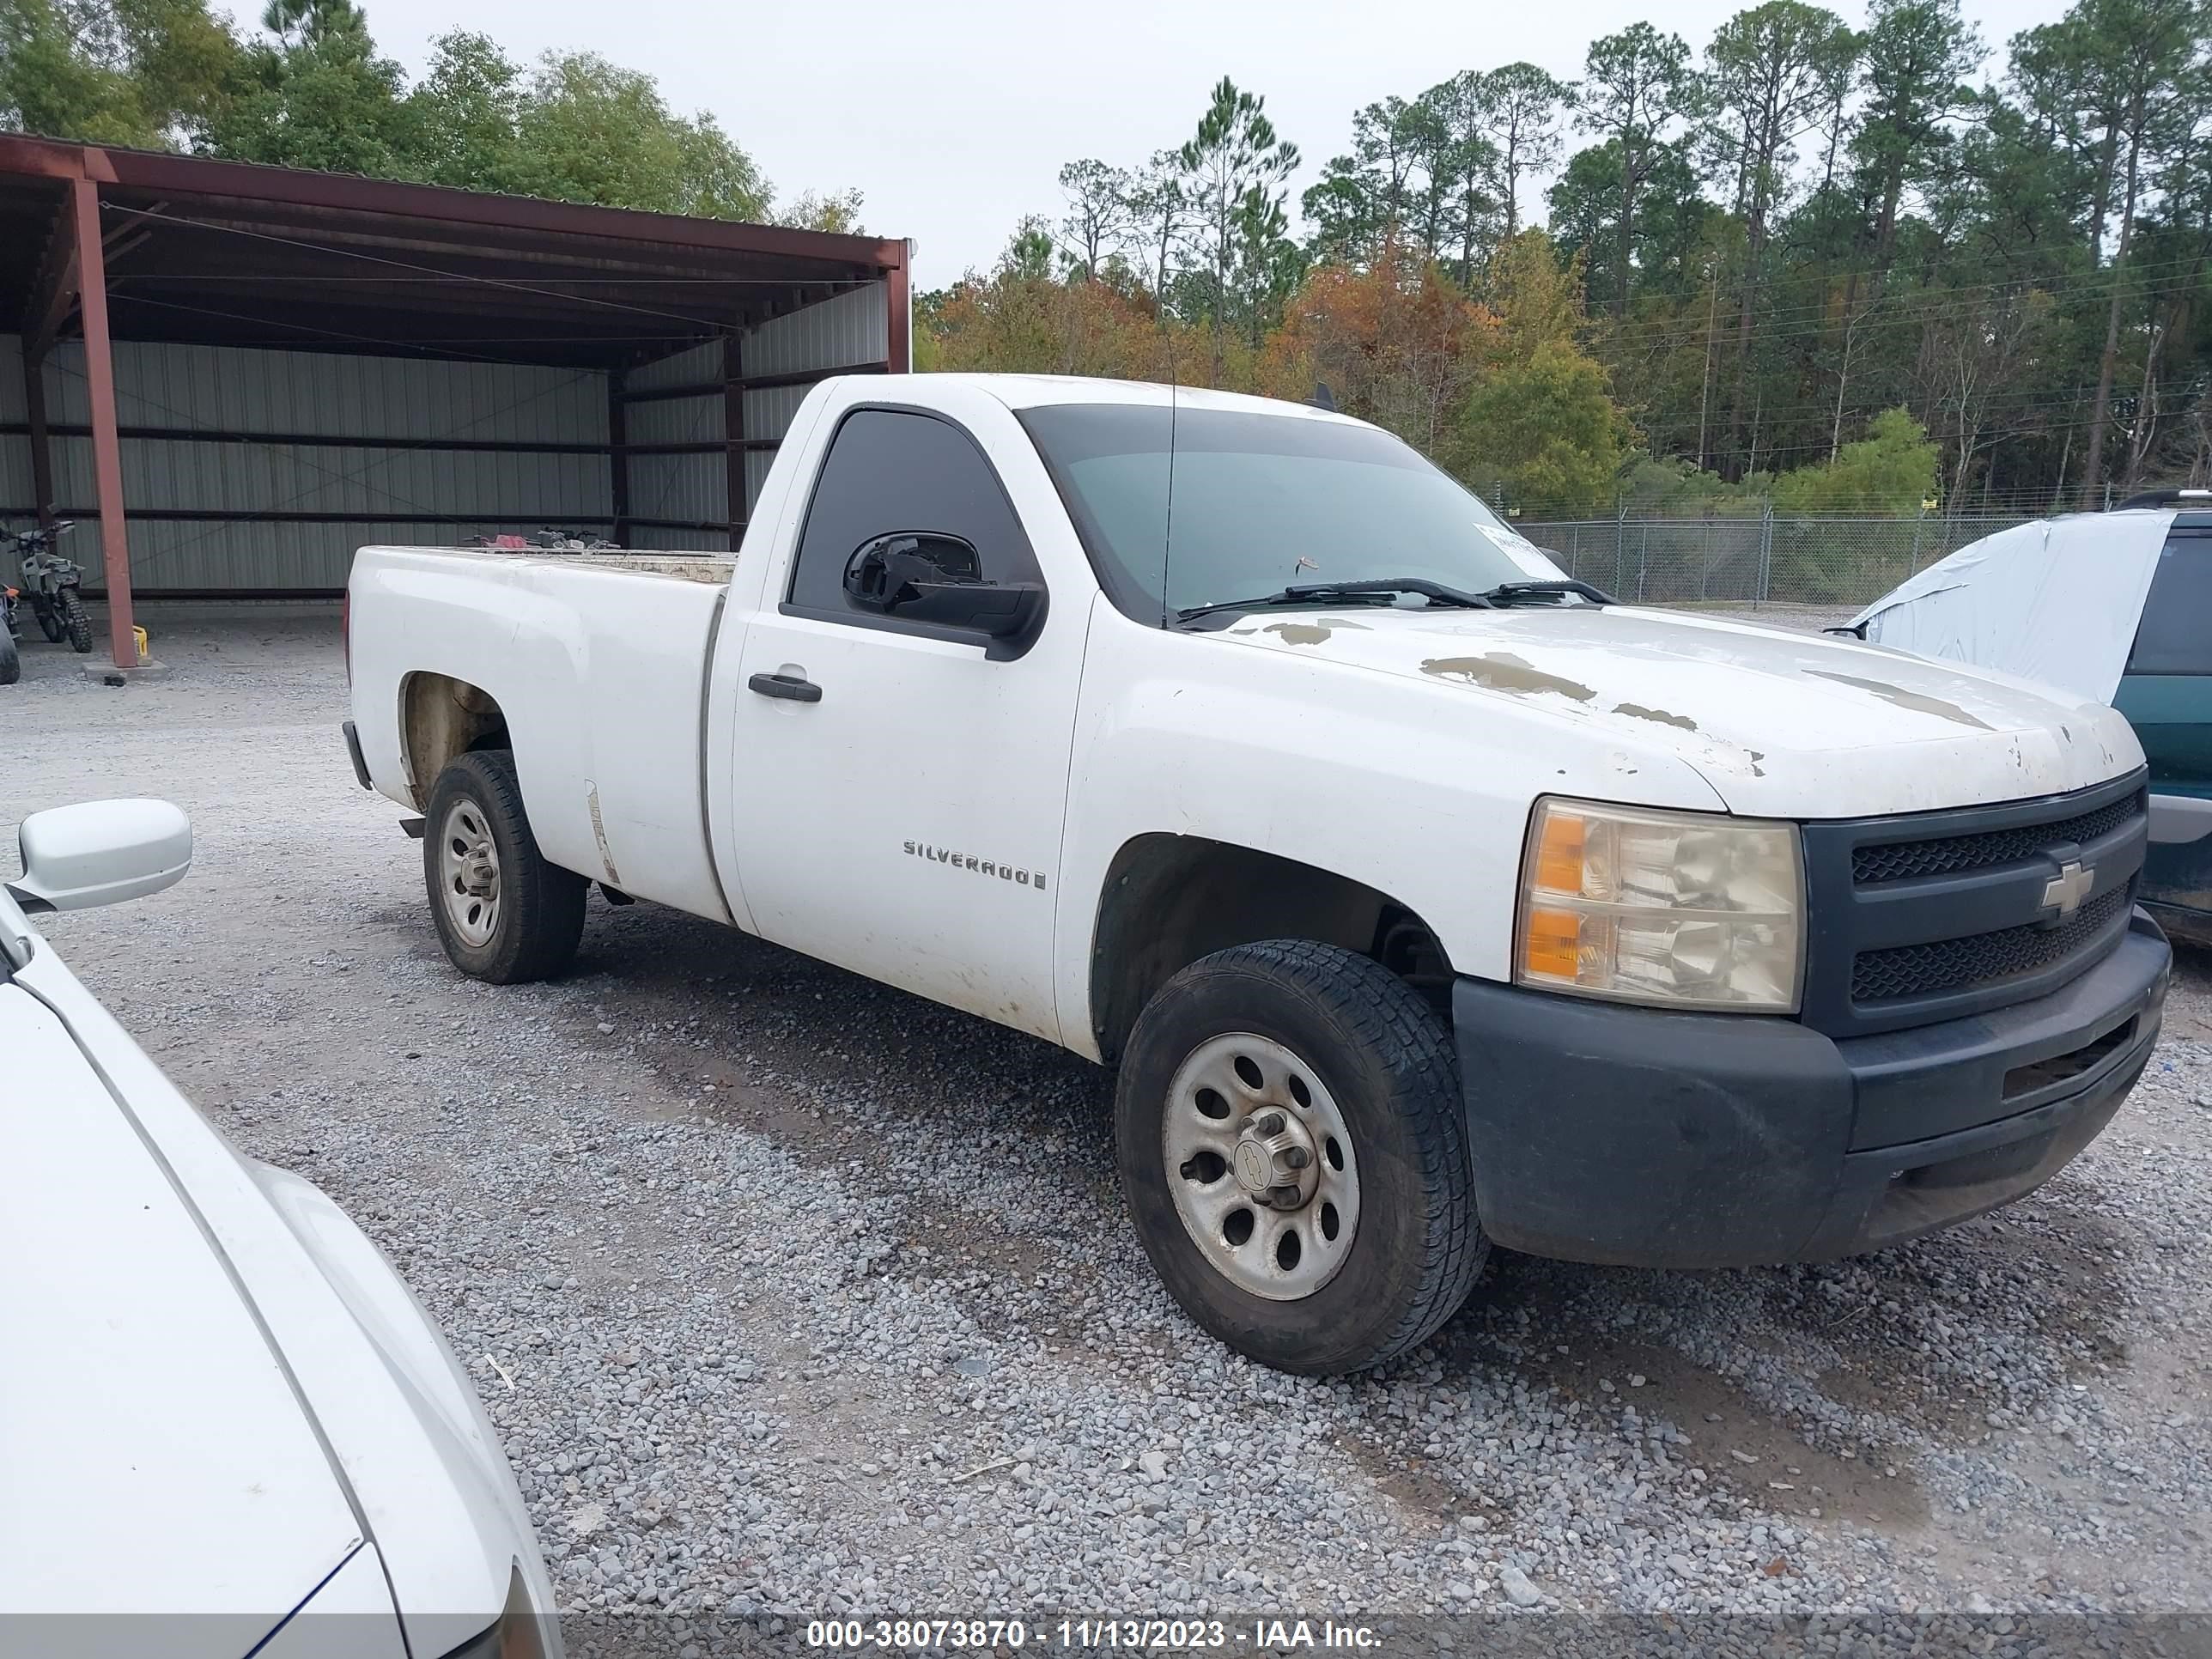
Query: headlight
point(1683, 910)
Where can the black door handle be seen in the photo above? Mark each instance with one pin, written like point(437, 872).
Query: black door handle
point(794, 687)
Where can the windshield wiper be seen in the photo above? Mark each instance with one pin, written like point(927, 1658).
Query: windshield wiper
point(1382, 588)
point(1513, 592)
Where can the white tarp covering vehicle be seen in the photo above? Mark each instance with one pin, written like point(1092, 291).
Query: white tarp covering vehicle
point(2057, 600)
point(2114, 607)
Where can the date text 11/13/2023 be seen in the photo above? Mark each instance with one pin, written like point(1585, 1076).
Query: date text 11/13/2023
point(1142, 1635)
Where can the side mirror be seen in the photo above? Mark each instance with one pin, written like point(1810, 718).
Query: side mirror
point(924, 576)
point(998, 609)
point(882, 573)
point(100, 852)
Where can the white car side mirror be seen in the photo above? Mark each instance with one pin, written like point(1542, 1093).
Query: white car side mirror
point(100, 852)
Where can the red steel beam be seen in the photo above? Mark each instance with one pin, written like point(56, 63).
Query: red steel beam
point(899, 297)
point(53, 291)
point(107, 447)
point(179, 176)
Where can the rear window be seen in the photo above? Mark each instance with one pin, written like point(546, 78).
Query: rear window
point(2175, 635)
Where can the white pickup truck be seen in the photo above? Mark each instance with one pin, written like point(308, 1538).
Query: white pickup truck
point(1422, 899)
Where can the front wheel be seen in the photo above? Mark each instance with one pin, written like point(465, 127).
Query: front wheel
point(11, 660)
point(72, 620)
point(503, 914)
point(1288, 1128)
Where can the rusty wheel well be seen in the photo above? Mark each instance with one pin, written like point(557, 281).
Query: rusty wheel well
point(442, 718)
point(1170, 900)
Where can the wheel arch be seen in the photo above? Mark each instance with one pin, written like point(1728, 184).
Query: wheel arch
point(1168, 900)
point(442, 718)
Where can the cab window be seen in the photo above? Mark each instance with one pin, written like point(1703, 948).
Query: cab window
point(896, 472)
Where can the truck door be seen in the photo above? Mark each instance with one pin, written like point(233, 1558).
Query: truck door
point(898, 786)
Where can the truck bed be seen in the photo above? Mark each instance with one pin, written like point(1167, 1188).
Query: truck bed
point(596, 663)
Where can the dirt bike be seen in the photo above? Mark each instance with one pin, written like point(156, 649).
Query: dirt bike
point(51, 585)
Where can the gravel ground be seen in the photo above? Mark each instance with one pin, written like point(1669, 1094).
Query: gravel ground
point(790, 1291)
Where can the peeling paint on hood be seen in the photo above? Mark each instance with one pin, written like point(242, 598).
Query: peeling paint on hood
point(1501, 671)
point(1778, 723)
point(1907, 699)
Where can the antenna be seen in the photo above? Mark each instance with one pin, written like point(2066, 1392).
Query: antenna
point(1167, 526)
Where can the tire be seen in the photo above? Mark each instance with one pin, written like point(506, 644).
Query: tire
point(50, 624)
point(11, 660)
point(503, 914)
point(73, 619)
point(1335, 1038)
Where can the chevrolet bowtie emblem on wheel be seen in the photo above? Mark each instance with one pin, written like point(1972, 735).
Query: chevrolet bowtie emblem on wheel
point(2064, 892)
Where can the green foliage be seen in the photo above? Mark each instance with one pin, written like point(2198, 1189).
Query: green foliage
point(838, 211)
point(1232, 170)
point(1543, 434)
point(138, 72)
point(312, 91)
point(319, 97)
point(1540, 428)
point(1892, 470)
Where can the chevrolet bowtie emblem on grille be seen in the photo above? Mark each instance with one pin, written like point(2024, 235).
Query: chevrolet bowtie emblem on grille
point(2064, 892)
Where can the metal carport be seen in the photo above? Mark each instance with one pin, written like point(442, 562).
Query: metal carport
point(241, 372)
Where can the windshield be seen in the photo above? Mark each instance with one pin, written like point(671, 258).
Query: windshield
point(1261, 502)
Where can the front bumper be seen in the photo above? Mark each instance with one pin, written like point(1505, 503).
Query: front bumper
point(1603, 1133)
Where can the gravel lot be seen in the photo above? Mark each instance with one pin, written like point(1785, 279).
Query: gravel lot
point(790, 1291)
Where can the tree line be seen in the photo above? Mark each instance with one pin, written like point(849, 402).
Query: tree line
point(310, 89)
point(1794, 239)
point(1803, 257)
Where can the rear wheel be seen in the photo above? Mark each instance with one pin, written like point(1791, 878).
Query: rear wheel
point(50, 620)
point(1288, 1128)
point(503, 914)
point(11, 660)
point(73, 621)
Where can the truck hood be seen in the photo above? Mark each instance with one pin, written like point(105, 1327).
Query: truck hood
point(1779, 724)
point(155, 1457)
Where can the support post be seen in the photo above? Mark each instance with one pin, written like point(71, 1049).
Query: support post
point(617, 460)
point(106, 447)
point(898, 294)
point(734, 436)
point(42, 448)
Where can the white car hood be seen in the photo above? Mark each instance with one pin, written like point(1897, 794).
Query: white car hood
point(154, 1455)
point(1779, 724)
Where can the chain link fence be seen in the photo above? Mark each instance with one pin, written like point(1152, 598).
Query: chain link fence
point(1758, 558)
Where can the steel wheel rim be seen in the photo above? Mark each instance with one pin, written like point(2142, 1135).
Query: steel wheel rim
point(1229, 1177)
point(468, 874)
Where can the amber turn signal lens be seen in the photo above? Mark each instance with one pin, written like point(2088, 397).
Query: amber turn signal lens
point(1559, 855)
point(1553, 946)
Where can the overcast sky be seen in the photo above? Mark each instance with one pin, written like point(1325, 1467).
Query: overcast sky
point(954, 117)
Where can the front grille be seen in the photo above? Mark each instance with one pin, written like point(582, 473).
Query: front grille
point(1938, 915)
point(1980, 959)
point(1899, 861)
